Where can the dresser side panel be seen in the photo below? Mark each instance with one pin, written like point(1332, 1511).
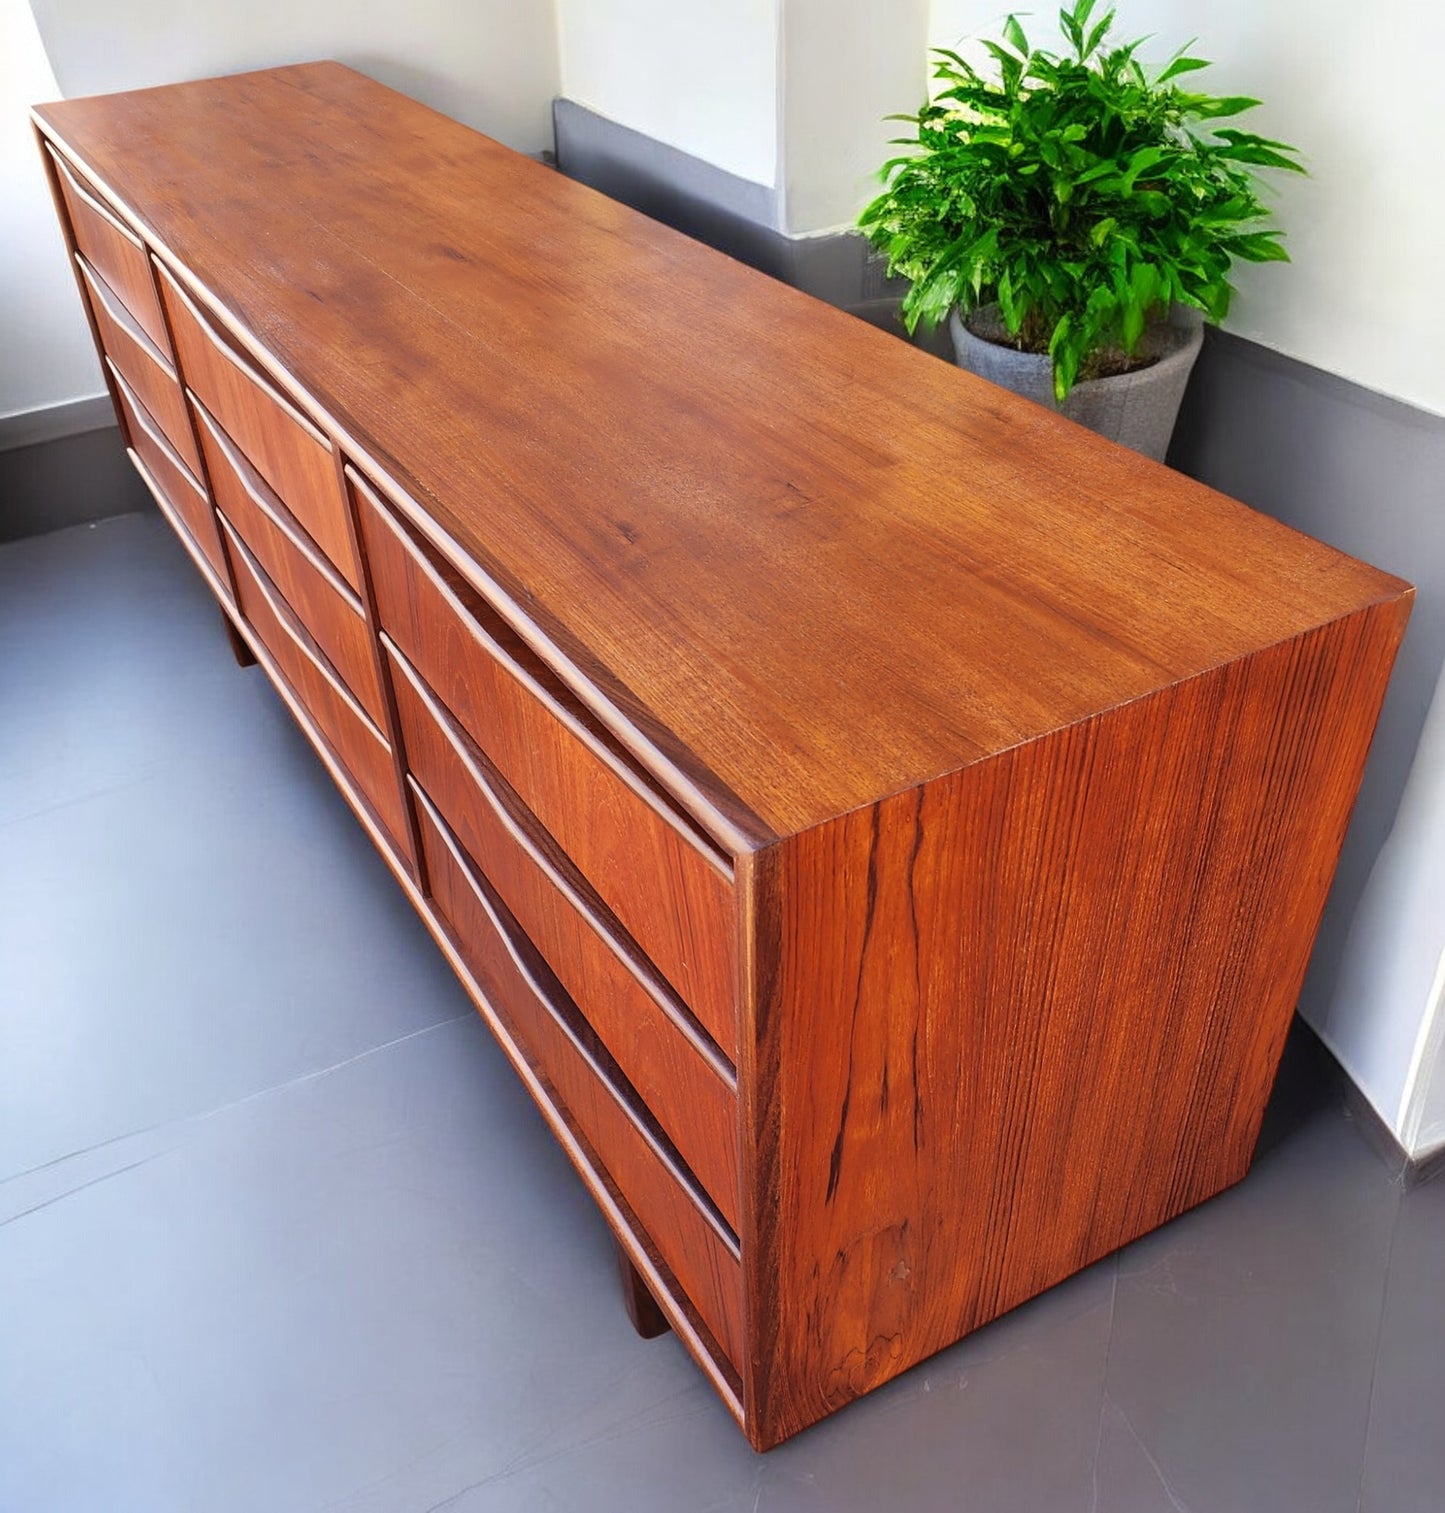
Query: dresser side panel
point(1007, 1022)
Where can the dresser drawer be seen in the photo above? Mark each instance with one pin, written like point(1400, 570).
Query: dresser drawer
point(114, 250)
point(527, 997)
point(277, 440)
point(323, 603)
point(661, 878)
point(190, 508)
point(675, 1068)
point(352, 737)
point(144, 367)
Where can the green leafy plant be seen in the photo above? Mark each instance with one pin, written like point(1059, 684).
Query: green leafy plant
point(1079, 192)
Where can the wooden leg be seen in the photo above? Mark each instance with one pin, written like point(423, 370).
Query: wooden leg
point(242, 652)
point(647, 1318)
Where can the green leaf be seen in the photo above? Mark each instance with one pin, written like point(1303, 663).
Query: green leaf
point(1258, 247)
point(1096, 36)
point(1181, 66)
point(1079, 190)
point(1211, 108)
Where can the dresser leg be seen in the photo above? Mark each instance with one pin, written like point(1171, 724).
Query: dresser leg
point(647, 1318)
point(243, 654)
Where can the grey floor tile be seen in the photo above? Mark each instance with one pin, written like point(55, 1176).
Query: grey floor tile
point(371, 1288)
point(1245, 1332)
point(115, 663)
point(1006, 1420)
point(1405, 1452)
point(188, 940)
point(183, 922)
point(1127, 1480)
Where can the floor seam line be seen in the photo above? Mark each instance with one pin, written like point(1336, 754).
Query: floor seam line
point(1375, 1360)
point(222, 1108)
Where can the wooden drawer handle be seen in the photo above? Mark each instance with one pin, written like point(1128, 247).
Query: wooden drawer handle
point(286, 619)
point(117, 311)
point(146, 421)
point(679, 823)
point(252, 374)
point(647, 977)
point(94, 204)
point(272, 508)
point(658, 1143)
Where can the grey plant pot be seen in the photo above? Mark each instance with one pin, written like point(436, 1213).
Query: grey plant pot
point(1137, 409)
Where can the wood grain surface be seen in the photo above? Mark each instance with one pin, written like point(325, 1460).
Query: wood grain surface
point(290, 453)
point(143, 366)
point(671, 891)
point(1009, 1022)
point(604, 413)
point(358, 745)
point(184, 494)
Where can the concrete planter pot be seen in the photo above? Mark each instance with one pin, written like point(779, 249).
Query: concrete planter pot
point(1137, 409)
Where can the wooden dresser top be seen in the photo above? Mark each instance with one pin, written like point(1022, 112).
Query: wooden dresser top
point(813, 565)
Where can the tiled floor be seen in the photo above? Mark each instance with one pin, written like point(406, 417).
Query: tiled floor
point(279, 1229)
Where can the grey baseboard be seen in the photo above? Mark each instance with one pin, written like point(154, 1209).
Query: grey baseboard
point(68, 480)
point(53, 422)
point(732, 214)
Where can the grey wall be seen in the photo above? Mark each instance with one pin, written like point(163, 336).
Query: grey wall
point(1366, 474)
point(66, 480)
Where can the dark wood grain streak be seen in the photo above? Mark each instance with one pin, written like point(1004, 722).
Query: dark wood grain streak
point(1040, 1005)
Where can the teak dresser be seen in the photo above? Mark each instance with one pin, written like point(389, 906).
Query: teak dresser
point(884, 825)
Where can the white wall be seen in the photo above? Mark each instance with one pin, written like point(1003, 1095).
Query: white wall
point(1386, 1021)
point(845, 66)
point(700, 75)
point(490, 63)
point(1358, 90)
point(46, 356)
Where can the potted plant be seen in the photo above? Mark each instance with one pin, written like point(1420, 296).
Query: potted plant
point(1075, 217)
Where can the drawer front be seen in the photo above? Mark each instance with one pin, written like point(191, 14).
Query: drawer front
point(323, 603)
point(144, 368)
point(357, 744)
point(659, 880)
point(185, 496)
point(277, 440)
point(114, 250)
point(528, 999)
point(679, 1077)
